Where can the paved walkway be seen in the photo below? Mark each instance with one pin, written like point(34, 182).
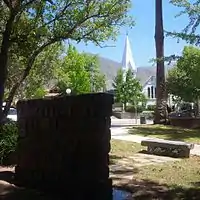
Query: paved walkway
point(121, 133)
point(127, 122)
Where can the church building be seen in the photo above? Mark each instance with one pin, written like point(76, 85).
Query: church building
point(149, 85)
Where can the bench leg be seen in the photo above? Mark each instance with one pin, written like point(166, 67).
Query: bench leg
point(185, 153)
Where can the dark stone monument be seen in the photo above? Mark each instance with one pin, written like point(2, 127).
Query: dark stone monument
point(64, 145)
point(185, 122)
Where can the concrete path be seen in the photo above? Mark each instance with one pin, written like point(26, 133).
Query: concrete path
point(121, 133)
point(127, 122)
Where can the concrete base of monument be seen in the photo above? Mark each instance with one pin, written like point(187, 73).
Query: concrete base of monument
point(73, 189)
point(9, 190)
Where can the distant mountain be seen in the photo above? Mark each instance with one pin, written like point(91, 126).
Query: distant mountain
point(110, 68)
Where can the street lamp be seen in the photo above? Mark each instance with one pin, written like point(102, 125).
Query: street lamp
point(68, 91)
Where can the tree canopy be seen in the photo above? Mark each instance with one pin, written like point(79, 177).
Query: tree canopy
point(127, 88)
point(40, 75)
point(28, 27)
point(191, 9)
point(183, 80)
point(80, 72)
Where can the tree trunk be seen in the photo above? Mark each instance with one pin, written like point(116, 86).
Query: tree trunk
point(4, 60)
point(161, 98)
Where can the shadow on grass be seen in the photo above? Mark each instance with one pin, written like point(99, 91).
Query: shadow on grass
point(117, 169)
point(167, 132)
point(147, 189)
point(113, 159)
point(160, 153)
point(123, 171)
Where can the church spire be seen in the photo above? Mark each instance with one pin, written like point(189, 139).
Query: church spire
point(127, 59)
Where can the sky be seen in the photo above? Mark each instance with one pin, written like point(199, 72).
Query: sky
point(141, 36)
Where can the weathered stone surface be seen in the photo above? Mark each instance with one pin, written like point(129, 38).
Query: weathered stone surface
point(185, 122)
point(167, 147)
point(64, 143)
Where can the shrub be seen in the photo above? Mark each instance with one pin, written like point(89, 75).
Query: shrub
point(132, 109)
point(148, 114)
point(151, 107)
point(8, 141)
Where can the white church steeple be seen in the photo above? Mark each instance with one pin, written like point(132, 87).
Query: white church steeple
point(127, 59)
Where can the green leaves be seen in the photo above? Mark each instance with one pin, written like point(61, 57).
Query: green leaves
point(36, 25)
point(183, 80)
point(41, 74)
point(192, 10)
point(118, 84)
point(8, 141)
point(95, 21)
point(79, 72)
point(128, 88)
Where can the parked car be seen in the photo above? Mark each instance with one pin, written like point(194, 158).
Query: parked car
point(12, 114)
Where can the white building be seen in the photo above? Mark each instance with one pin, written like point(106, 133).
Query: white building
point(149, 85)
point(149, 89)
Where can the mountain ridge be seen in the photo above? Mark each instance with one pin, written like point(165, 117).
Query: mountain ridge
point(110, 67)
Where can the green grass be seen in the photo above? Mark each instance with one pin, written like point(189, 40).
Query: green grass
point(171, 180)
point(167, 132)
point(124, 148)
point(182, 173)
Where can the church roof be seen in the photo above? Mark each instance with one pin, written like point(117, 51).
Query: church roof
point(127, 59)
point(144, 73)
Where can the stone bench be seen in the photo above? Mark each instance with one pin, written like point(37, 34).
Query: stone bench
point(167, 147)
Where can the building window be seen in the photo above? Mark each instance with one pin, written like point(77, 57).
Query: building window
point(152, 91)
point(149, 93)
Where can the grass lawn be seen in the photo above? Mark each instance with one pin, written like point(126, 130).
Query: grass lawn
point(167, 132)
point(124, 148)
point(171, 180)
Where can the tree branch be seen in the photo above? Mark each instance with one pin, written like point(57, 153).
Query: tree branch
point(7, 3)
point(26, 72)
point(27, 4)
point(59, 14)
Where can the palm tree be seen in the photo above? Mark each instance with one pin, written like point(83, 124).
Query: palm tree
point(161, 113)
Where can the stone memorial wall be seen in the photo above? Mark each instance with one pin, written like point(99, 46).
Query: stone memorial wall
point(64, 145)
